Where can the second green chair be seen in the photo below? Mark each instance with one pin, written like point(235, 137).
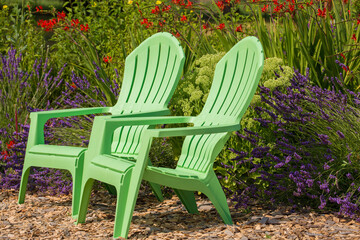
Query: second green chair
point(235, 81)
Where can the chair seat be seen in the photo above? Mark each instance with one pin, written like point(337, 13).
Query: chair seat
point(66, 151)
point(114, 163)
point(173, 172)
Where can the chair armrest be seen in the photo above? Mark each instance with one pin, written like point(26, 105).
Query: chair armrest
point(69, 112)
point(104, 127)
point(185, 131)
point(162, 112)
point(38, 120)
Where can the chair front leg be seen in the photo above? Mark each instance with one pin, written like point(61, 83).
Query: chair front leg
point(84, 199)
point(23, 183)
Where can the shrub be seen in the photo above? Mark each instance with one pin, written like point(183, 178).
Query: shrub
point(302, 150)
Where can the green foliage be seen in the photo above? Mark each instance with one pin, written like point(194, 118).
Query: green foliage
point(193, 89)
point(305, 40)
point(17, 30)
point(356, 6)
point(271, 77)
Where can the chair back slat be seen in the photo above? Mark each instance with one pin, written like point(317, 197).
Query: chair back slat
point(151, 74)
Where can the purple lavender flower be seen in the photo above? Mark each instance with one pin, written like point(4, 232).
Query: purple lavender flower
point(324, 139)
point(326, 166)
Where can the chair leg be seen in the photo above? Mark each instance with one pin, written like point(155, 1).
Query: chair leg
point(84, 200)
point(188, 199)
point(156, 187)
point(123, 207)
point(217, 196)
point(23, 184)
point(129, 191)
point(76, 192)
point(157, 191)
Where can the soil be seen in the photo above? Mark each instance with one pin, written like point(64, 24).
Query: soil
point(49, 217)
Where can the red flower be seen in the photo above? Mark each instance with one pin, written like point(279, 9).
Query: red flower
point(5, 154)
point(239, 28)
point(73, 86)
point(205, 26)
point(29, 8)
point(310, 3)
point(220, 5)
point(47, 24)
point(156, 10)
point(221, 26)
point(38, 9)
point(291, 7)
point(189, 4)
point(183, 18)
point(177, 34)
point(166, 8)
point(321, 13)
point(61, 16)
point(162, 23)
point(278, 8)
point(10, 144)
point(342, 56)
point(84, 28)
point(263, 9)
point(144, 21)
point(75, 22)
point(354, 37)
point(107, 59)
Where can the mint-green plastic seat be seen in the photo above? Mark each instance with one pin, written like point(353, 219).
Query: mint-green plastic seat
point(151, 74)
point(235, 81)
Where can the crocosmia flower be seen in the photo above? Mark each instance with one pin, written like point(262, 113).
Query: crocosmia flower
point(221, 26)
point(107, 59)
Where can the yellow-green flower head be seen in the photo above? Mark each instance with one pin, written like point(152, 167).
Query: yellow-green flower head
point(158, 2)
point(130, 2)
point(94, 4)
point(5, 6)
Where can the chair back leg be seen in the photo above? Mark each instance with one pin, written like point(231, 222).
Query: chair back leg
point(188, 199)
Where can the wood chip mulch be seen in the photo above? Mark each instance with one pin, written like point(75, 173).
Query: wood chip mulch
point(48, 217)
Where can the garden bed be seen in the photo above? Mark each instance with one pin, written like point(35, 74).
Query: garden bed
point(48, 217)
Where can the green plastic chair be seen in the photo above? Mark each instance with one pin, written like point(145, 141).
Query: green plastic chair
point(151, 74)
point(235, 81)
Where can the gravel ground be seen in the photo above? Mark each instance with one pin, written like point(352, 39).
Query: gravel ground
point(48, 217)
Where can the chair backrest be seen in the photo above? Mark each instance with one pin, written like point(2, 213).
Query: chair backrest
point(152, 72)
point(235, 81)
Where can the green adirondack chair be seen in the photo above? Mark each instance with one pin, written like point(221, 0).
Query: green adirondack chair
point(235, 81)
point(151, 74)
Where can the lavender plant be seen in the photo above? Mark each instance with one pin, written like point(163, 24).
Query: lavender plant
point(302, 150)
point(20, 93)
